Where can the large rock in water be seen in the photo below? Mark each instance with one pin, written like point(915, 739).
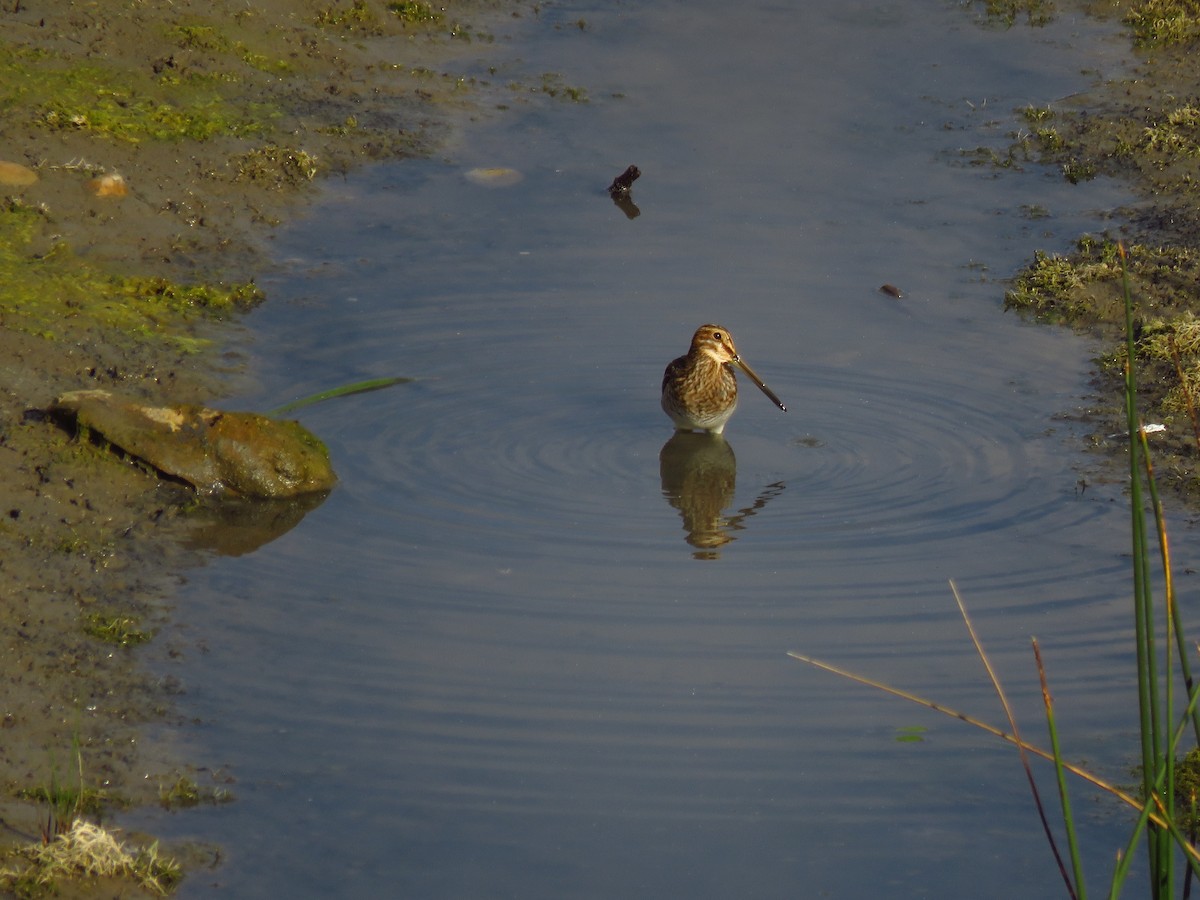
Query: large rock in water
point(245, 454)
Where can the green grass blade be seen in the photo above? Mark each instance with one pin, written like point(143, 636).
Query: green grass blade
point(1174, 617)
point(1166, 780)
point(1122, 869)
point(1159, 850)
point(359, 387)
point(1060, 773)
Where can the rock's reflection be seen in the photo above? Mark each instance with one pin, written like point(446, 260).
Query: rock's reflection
point(699, 474)
point(238, 527)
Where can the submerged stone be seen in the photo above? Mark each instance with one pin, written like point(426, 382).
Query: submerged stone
point(239, 453)
point(110, 185)
point(494, 176)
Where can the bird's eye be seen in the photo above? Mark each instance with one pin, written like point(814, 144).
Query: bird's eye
point(718, 336)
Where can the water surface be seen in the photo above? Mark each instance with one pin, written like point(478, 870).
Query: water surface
point(528, 649)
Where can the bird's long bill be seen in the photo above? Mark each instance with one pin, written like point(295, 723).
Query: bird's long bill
point(750, 373)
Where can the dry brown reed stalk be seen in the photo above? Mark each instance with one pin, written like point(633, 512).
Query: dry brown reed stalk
point(1012, 724)
point(1087, 776)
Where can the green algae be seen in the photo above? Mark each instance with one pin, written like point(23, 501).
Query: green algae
point(551, 84)
point(186, 792)
point(358, 16)
point(416, 12)
point(199, 37)
point(126, 106)
point(276, 167)
point(49, 292)
point(1006, 12)
point(116, 628)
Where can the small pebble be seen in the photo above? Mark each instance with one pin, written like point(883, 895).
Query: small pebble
point(891, 290)
point(16, 175)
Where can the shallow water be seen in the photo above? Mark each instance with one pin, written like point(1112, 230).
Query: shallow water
point(528, 649)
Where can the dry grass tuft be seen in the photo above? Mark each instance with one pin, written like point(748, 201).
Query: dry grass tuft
point(90, 851)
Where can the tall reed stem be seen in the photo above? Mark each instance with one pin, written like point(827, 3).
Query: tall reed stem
point(1147, 668)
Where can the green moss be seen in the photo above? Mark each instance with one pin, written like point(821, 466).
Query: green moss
point(1076, 170)
point(358, 16)
point(200, 38)
point(197, 37)
point(162, 293)
point(1158, 143)
point(185, 792)
point(990, 156)
point(1036, 115)
point(1159, 22)
point(276, 167)
point(1081, 287)
point(1176, 344)
point(262, 62)
point(122, 630)
point(1176, 134)
point(125, 106)
point(1187, 790)
point(1006, 12)
point(416, 12)
point(1050, 139)
point(552, 85)
point(349, 126)
point(134, 119)
point(1046, 287)
point(48, 290)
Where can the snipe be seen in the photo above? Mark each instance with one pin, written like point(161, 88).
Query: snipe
point(699, 390)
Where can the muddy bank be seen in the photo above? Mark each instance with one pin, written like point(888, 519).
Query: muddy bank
point(148, 150)
point(1145, 130)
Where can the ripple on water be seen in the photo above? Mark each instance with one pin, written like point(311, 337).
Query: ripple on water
point(526, 437)
point(868, 466)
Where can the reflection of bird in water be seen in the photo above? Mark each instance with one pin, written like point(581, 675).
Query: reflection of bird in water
point(699, 474)
point(699, 390)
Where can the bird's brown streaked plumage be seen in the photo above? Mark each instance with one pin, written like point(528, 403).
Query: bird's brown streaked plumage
point(699, 389)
